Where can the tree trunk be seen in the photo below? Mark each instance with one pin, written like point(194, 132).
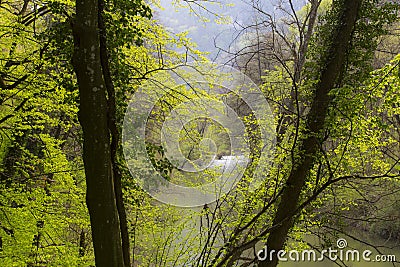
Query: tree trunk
point(338, 45)
point(112, 126)
point(100, 195)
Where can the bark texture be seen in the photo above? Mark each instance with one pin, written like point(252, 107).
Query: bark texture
point(93, 116)
point(112, 125)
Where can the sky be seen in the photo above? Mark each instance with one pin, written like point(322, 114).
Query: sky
point(207, 35)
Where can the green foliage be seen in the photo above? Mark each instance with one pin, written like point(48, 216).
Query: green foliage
point(43, 216)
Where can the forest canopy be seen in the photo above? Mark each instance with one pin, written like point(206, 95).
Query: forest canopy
point(125, 143)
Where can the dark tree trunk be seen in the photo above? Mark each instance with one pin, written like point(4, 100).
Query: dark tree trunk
point(100, 195)
point(112, 125)
point(338, 45)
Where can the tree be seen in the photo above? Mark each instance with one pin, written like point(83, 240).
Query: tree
point(93, 116)
point(41, 178)
point(340, 153)
point(321, 174)
point(338, 45)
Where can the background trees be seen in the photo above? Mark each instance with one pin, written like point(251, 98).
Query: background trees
point(350, 180)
